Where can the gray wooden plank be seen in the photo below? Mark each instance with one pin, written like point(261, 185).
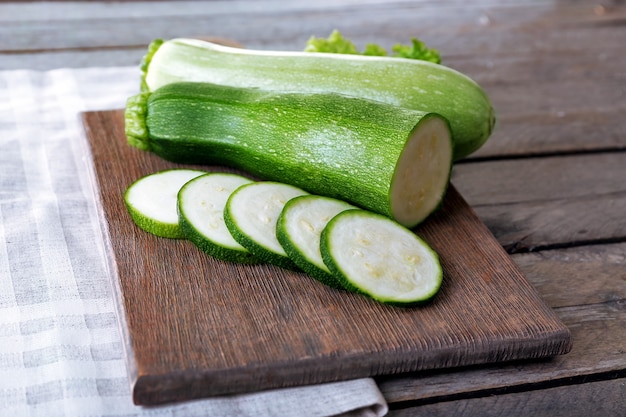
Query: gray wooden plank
point(578, 113)
point(541, 97)
point(556, 201)
point(592, 274)
point(601, 399)
point(524, 132)
point(510, 69)
point(456, 28)
point(521, 227)
point(541, 179)
point(48, 60)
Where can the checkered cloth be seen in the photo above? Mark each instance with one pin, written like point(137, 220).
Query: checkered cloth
point(60, 346)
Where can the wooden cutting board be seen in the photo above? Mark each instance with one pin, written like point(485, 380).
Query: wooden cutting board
point(196, 327)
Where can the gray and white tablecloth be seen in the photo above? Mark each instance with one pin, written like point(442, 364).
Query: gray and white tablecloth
point(60, 345)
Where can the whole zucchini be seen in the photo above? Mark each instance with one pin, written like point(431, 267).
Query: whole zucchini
point(414, 84)
point(381, 157)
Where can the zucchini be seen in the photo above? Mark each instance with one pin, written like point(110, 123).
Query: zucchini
point(152, 201)
point(375, 256)
point(251, 213)
point(201, 203)
point(410, 83)
point(384, 158)
point(299, 228)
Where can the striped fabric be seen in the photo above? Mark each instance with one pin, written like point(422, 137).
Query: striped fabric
point(60, 347)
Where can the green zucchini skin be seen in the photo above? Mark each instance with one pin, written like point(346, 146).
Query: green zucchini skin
point(327, 144)
point(414, 84)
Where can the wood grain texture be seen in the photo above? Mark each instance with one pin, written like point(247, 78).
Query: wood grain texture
point(198, 327)
point(597, 272)
point(549, 202)
point(531, 180)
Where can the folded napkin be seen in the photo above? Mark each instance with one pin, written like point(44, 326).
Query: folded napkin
point(60, 345)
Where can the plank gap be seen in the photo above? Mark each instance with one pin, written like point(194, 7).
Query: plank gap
point(541, 154)
point(617, 304)
point(544, 200)
point(512, 389)
point(519, 246)
point(74, 49)
point(609, 22)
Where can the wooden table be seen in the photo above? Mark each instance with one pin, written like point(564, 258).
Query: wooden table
point(550, 184)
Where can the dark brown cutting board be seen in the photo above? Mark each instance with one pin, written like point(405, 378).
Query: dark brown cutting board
point(195, 327)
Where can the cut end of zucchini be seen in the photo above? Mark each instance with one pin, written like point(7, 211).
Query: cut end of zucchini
point(423, 171)
point(373, 255)
point(152, 201)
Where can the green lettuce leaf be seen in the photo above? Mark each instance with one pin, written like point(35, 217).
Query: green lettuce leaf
point(417, 50)
point(336, 43)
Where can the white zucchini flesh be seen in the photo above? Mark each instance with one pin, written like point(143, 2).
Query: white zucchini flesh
point(376, 256)
point(201, 204)
point(152, 201)
point(299, 229)
point(251, 214)
point(422, 173)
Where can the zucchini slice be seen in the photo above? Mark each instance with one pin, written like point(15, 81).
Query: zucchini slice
point(299, 228)
point(201, 203)
point(152, 201)
point(373, 255)
point(251, 214)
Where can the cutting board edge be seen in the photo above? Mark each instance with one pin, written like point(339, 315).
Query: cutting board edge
point(185, 385)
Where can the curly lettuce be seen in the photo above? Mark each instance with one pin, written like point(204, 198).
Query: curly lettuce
point(336, 43)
